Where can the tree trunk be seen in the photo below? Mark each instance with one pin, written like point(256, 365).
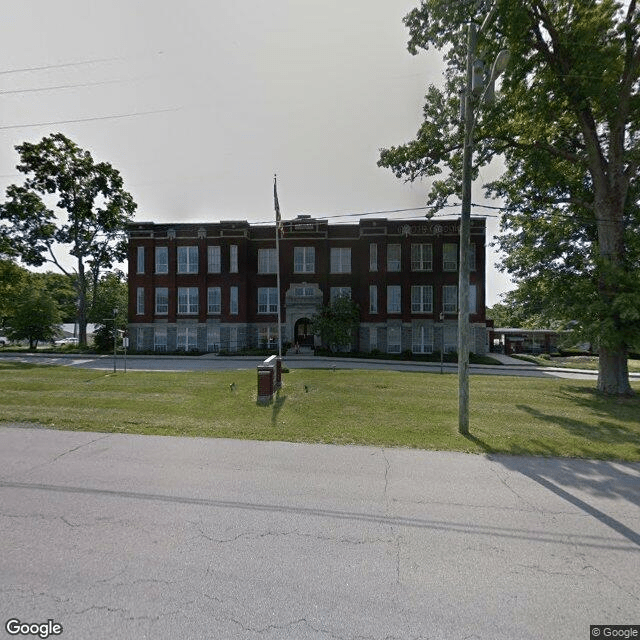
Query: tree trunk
point(613, 373)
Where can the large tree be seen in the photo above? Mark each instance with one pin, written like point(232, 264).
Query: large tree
point(566, 125)
point(67, 202)
point(35, 317)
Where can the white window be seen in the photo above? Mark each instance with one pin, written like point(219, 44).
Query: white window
point(214, 300)
point(267, 261)
point(233, 300)
point(393, 257)
point(394, 302)
point(233, 258)
point(140, 338)
point(449, 257)
point(267, 300)
point(188, 259)
point(140, 259)
point(340, 260)
point(422, 299)
point(473, 298)
point(162, 259)
point(339, 292)
point(268, 337)
point(394, 339)
point(187, 299)
point(213, 338)
point(373, 257)
point(304, 259)
point(373, 338)
point(373, 298)
point(187, 338)
point(233, 338)
point(213, 259)
point(162, 300)
point(422, 341)
point(450, 298)
point(140, 301)
point(160, 339)
point(450, 337)
point(304, 291)
point(421, 257)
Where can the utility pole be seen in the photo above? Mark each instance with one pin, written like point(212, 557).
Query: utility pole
point(465, 240)
point(475, 85)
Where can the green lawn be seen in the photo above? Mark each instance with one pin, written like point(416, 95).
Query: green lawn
point(508, 415)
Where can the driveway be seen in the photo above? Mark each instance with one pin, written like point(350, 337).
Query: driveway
point(124, 536)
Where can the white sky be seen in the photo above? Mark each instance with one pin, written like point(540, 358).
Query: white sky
point(308, 89)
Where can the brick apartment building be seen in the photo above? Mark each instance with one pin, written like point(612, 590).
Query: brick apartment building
point(212, 286)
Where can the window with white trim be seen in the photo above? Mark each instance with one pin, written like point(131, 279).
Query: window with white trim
point(394, 299)
point(187, 339)
point(394, 262)
point(187, 300)
point(421, 299)
point(233, 301)
point(140, 301)
point(162, 300)
point(422, 338)
point(160, 338)
point(421, 257)
point(233, 258)
point(213, 338)
point(339, 292)
point(373, 257)
point(449, 256)
point(394, 339)
point(188, 259)
point(140, 265)
point(373, 338)
point(267, 261)
point(304, 291)
point(373, 298)
point(340, 259)
point(214, 263)
point(450, 298)
point(267, 300)
point(450, 337)
point(233, 338)
point(304, 259)
point(214, 300)
point(162, 260)
point(268, 337)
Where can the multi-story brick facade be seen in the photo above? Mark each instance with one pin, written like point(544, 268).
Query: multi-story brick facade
point(212, 286)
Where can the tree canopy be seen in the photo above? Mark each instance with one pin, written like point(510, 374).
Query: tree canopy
point(67, 200)
point(566, 125)
point(337, 322)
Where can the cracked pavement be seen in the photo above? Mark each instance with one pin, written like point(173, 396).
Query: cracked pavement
point(122, 536)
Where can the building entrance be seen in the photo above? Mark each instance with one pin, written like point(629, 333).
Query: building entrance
point(302, 333)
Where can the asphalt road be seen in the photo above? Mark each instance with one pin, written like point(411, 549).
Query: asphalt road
point(211, 362)
point(123, 536)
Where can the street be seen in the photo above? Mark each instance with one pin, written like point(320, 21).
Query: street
point(212, 362)
point(124, 536)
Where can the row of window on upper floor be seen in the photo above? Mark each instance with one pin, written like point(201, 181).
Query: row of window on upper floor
point(189, 299)
point(304, 259)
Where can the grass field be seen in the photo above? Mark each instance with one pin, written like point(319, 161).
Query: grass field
point(508, 415)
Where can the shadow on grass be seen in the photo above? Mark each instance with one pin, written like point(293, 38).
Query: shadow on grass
point(12, 365)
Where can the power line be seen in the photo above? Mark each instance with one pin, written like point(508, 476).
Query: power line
point(61, 86)
point(59, 66)
point(94, 119)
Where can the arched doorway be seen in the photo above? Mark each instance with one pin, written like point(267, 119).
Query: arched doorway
point(302, 333)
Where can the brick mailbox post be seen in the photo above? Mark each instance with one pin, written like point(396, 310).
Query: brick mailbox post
point(269, 378)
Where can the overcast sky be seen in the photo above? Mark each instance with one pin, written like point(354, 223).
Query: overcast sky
point(198, 103)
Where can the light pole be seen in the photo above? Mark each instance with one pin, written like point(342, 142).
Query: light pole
point(473, 85)
point(115, 339)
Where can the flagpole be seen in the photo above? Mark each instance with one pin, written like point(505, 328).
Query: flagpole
point(278, 227)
